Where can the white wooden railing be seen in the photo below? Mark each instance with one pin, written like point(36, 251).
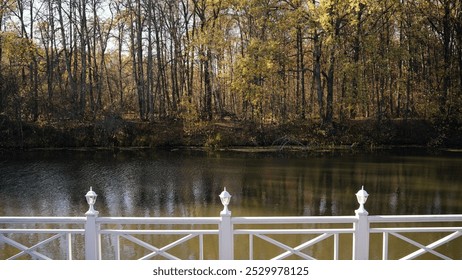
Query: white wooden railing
point(93, 237)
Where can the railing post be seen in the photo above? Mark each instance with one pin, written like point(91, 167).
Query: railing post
point(361, 228)
point(91, 229)
point(225, 238)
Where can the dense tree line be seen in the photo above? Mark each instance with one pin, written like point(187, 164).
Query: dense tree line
point(260, 60)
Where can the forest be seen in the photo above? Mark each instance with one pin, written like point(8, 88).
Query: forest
point(106, 63)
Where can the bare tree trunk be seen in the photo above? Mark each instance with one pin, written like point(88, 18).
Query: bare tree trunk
point(206, 56)
point(83, 58)
point(189, 65)
point(139, 46)
point(97, 71)
point(120, 35)
point(2, 78)
point(459, 41)
point(317, 73)
point(49, 52)
point(161, 76)
point(207, 113)
point(33, 69)
point(66, 52)
point(301, 73)
point(356, 56)
point(136, 32)
point(330, 87)
point(447, 57)
point(150, 65)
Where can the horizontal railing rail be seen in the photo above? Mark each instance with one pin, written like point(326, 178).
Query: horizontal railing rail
point(42, 220)
point(294, 220)
point(414, 218)
point(159, 220)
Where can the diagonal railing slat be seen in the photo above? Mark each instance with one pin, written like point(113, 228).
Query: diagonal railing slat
point(150, 247)
point(284, 246)
point(128, 234)
point(170, 246)
point(429, 248)
point(57, 233)
point(323, 232)
point(24, 249)
point(422, 247)
point(41, 243)
point(303, 246)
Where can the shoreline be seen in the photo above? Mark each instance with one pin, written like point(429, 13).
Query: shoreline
point(244, 150)
point(356, 135)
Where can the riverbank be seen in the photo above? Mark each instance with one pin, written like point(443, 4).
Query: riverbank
point(117, 133)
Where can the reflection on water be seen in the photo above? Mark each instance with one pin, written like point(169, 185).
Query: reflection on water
point(149, 183)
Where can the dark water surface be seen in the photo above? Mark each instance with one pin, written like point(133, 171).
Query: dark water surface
point(149, 183)
point(187, 183)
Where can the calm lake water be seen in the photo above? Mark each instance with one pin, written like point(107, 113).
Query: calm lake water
point(149, 183)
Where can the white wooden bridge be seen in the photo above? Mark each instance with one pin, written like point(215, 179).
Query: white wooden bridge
point(344, 237)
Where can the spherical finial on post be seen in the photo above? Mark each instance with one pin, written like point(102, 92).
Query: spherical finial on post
point(91, 200)
point(225, 198)
point(361, 196)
